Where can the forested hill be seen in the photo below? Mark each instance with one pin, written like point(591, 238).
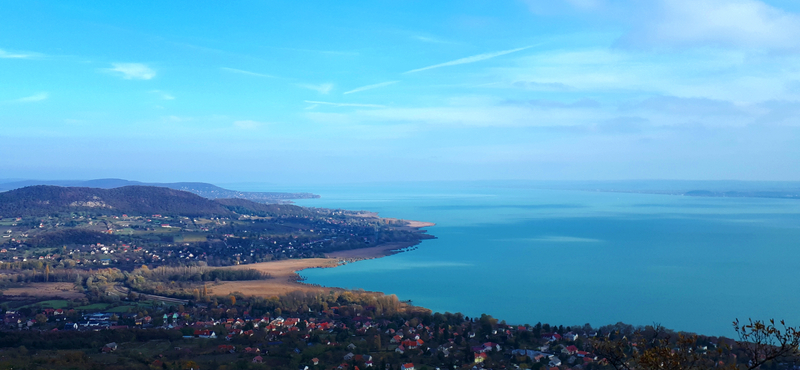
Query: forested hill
point(200, 188)
point(135, 200)
point(244, 206)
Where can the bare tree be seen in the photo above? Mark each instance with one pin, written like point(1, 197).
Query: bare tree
point(764, 341)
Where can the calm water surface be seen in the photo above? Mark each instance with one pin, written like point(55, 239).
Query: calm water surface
point(572, 257)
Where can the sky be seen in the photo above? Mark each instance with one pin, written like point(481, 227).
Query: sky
point(295, 92)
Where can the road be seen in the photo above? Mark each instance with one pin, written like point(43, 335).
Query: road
point(124, 291)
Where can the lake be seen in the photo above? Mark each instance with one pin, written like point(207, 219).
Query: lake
point(575, 257)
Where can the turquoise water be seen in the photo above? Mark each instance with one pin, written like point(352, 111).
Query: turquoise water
point(572, 257)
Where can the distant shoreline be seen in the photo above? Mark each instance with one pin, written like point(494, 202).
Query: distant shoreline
point(286, 273)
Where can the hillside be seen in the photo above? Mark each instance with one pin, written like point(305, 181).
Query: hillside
point(244, 206)
point(137, 200)
point(202, 189)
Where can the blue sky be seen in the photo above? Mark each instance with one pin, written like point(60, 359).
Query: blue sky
point(298, 92)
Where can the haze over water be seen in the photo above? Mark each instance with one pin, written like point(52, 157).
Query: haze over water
point(572, 257)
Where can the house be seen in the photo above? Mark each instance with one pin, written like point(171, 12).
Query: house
point(258, 360)
point(109, 347)
point(551, 336)
point(412, 344)
point(570, 350)
point(315, 361)
point(555, 361)
point(480, 357)
point(208, 334)
point(349, 356)
point(408, 366)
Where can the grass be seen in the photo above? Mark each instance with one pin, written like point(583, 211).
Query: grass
point(95, 306)
point(121, 309)
point(190, 238)
point(54, 303)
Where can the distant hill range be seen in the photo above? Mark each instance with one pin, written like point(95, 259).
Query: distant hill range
point(134, 200)
point(202, 189)
point(691, 188)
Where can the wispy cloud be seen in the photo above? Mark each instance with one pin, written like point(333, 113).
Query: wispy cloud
point(132, 71)
point(370, 87)
point(241, 71)
point(163, 95)
point(17, 55)
point(345, 104)
point(736, 23)
point(32, 98)
point(321, 88)
point(248, 124)
point(472, 59)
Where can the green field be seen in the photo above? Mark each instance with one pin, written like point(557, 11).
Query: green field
point(121, 309)
point(190, 238)
point(56, 303)
point(96, 306)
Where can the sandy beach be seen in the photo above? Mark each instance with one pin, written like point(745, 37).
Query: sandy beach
point(285, 272)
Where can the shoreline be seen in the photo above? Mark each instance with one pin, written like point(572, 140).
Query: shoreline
point(286, 273)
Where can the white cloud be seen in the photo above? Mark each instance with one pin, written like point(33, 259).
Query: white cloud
point(370, 87)
point(132, 71)
point(321, 88)
point(728, 23)
point(720, 74)
point(32, 98)
point(241, 71)
point(344, 104)
point(4, 54)
point(472, 59)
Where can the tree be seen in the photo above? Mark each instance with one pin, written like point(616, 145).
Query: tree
point(763, 341)
point(40, 318)
point(654, 348)
point(233, 300)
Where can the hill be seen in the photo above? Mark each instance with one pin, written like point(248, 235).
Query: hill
point(202, 189)
point(141, 200)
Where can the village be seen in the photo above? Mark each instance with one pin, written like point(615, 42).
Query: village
point(82, 240)
point(349, 337)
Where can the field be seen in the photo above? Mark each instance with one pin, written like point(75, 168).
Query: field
point(95, 306)
point(190, 238)
point(284, 278)
point(121, 309)
point(63, 290)
point(56, 303)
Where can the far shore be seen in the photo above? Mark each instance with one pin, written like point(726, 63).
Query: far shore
point(285, 277)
